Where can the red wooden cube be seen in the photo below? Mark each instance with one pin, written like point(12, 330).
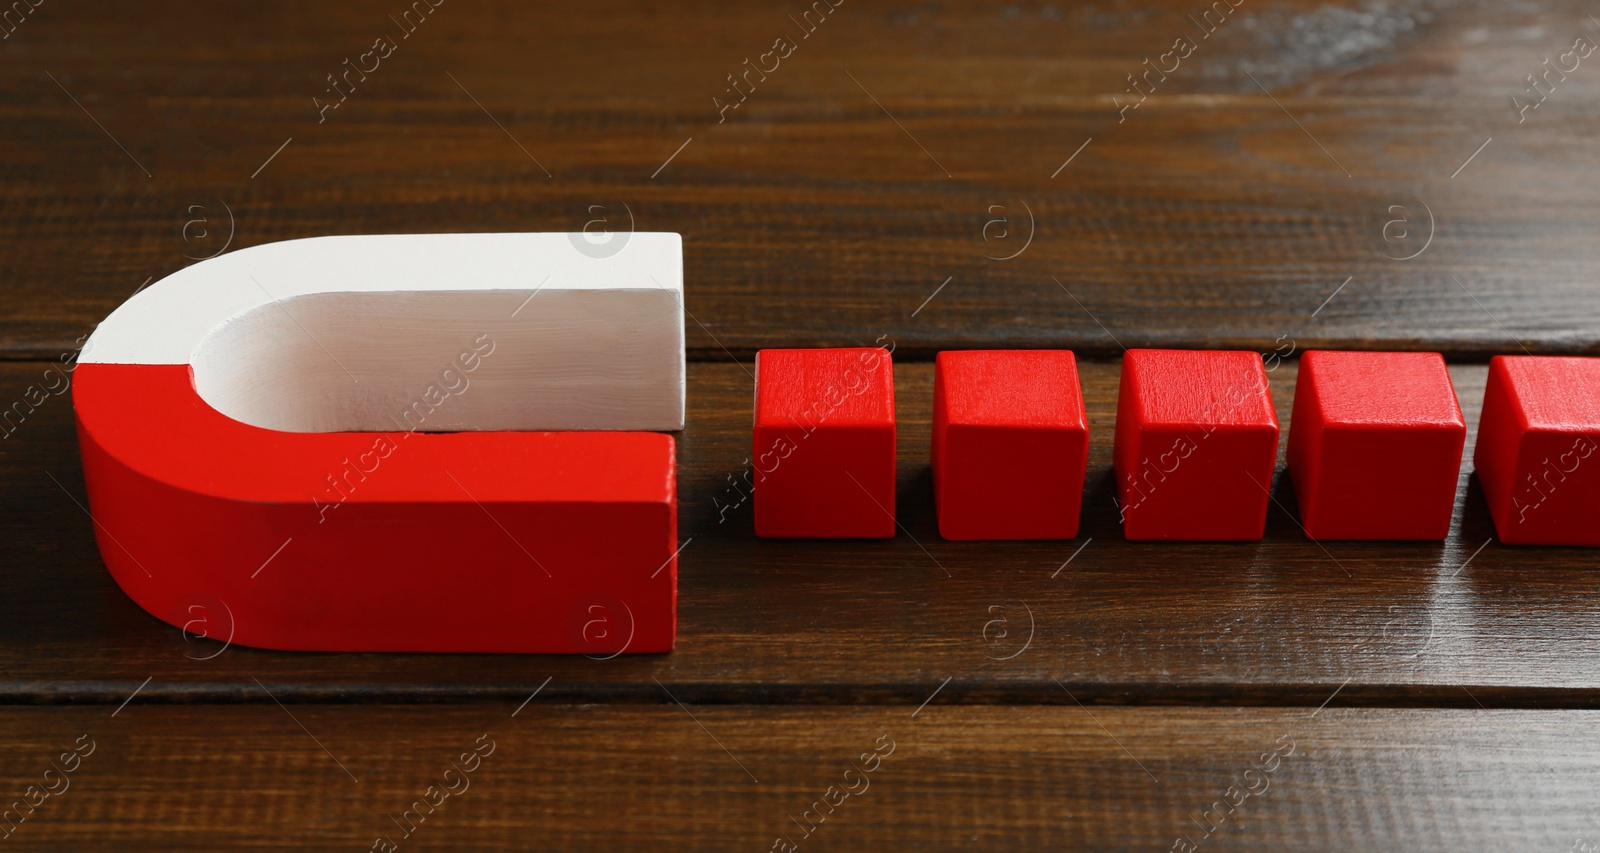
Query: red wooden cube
point(1010, 444)
point(1375, 445)
point(1535, 452)
point(824, 443)
point(1196, 444)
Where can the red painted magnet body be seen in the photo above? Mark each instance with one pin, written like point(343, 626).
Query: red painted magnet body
point(352, 525)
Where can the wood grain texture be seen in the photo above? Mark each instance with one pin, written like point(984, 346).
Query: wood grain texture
point(1282, 621)
point(1300, 151)
point(569, 777)
point(1314, 174)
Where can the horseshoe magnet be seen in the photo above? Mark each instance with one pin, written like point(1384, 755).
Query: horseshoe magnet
point(435, 442)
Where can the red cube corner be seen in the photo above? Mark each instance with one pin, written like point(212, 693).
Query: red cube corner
point(824, 452)
point(1196, 444)
point(1535, 453)
point(1375, 445)
point(1010, 444)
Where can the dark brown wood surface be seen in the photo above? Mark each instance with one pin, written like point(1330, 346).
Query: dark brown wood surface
point(1351, 174)
point(563, 776)
point(1275, 164)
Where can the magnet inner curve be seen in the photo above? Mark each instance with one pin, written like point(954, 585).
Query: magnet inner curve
point(434, 442)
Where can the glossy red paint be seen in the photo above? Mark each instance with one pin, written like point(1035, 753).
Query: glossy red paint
point(1535, 455)
point(1196, 443)
point(1375, 445)
point(1010, 444)
point(824, 443)
point(554, 542)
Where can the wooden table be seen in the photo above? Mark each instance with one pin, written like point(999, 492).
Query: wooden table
point(1302, 174)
